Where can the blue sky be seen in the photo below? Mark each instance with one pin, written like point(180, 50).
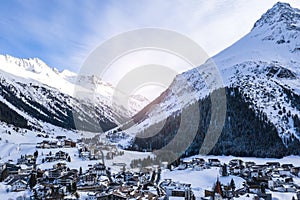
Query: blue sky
point(63, 33)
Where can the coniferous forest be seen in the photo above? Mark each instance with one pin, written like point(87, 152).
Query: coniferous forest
point(246, 132)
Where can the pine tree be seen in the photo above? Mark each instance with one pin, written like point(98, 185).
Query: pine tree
point(232, 184)
point(69, 188)
point(36, 153)
point(77, 196)
point(224, 170)
point(32, 181)
point(263, 189)
point(74, 187)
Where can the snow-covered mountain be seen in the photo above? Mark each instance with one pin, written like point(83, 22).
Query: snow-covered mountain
point(260, 72)
point(32, 90)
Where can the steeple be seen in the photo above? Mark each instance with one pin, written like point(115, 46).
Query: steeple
point(218, 188)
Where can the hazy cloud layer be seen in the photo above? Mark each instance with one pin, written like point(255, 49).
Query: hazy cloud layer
point(63, 33)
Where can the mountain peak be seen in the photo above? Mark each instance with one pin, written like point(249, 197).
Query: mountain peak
point(34, 65)
point(280, 12)
point(280, 25)
point(281, 5)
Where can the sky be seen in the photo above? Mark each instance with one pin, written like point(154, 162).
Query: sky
point(64, 33)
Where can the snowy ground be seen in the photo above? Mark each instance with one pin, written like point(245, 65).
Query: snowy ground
point(16, 143)
point(77, 162)
point(295, 160)
point(4, 195)
point(205, 179)
point(201, 180)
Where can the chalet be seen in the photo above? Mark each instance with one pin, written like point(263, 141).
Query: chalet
point(96, 154)
point(182, 166)
point(49, 158)
point(88, 179)
point(284, 171)
point(298, 195)
point(254, 173)
point(214, 162)
point(62, 190)
point(101, 196)
point(273, 164)
point(25, 170)
point(259, 169)
point(285, 188)
point(18, 185)
point(295, 171)
point(217, 193)
point(188, 163)
point(98, 169)
point(69, 143)
point(12, 178)
point(287, 166)
point(253, 187)
point(276, 182)
point(264, 196)
point(42, 135)
point(40, 173)
point(164, 165)
point(70, 197)
point(128, 176)
point(290, 188)
point(53, 144)
point(92, 196)
point(46, 144)
point(60, 165)
point(55, 173)
point(271, 184)
point(122, 192)
point(21, 160)
point(209, 194)
point(249, 164)
point(184, 191)
point(119, 177)
point(131, 180)
point(26, 160)
point(9, 169)
point(61, 155)
point(85, 155)
point(237, 170)
point(176, 189)
point(65, 180)
point(198, 167)
point(109, 155)
point(42, 190)
point(61, 137)
point(199, 161)
point(235, 162)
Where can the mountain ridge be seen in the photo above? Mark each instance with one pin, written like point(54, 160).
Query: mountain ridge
point(266, 71)
point(41, 95)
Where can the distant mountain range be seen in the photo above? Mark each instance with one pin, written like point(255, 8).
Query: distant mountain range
point(261, 76)
point(33, 95)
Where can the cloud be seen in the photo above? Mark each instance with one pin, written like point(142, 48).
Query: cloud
point(63, 33)
point(215, 24)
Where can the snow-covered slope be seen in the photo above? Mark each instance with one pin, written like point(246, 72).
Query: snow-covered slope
point(43, 94)
point(264, 65)
point(34, 70)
